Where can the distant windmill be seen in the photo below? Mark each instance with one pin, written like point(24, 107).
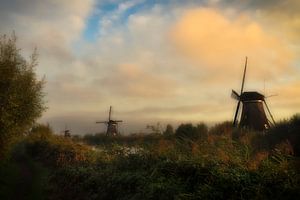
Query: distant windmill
point(112, 125)
point(253, 113)
point(67, 132)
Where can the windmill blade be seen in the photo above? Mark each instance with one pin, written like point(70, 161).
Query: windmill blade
point(109, 116)
point(118, 120)
point(244, 75)
point(272, 95)
point(236, 113)
point(242, 89)
point(102, 122)
point(235, 95)
point(270, 112)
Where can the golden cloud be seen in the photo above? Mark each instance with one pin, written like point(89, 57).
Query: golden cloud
point(218, 42)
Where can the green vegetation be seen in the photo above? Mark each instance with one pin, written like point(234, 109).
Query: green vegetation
point(236, 164)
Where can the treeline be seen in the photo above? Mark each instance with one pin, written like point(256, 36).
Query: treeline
point(184, 131)
point(287, 131)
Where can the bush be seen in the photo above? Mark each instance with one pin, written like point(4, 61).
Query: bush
point(224, 128)
point(169, 130)
point(56, 150)
point(188, 131)
point(286, 131)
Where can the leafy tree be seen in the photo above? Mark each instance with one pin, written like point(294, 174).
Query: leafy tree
point(43, 129)
point(192, 132)
point(169, 130)
point(156, 129)
point(21, 93)
point(224, 128)
point(186, 131)
point(202, 131)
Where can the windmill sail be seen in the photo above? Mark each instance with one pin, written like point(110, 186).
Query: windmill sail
point(239, 101)
point(235, 95)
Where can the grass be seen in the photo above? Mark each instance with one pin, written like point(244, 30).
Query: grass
point(22, 177)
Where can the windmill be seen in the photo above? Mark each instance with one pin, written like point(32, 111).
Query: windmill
point(112, 125)
point(253, 113)
point(66, 132)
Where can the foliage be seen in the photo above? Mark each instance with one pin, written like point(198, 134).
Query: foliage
point(155, 129)
point(192, 132)
point(154, 176)
point(169, 130)
point(21, 177)
point(159, 167)
point(224, 128)
point(215, 167)
point(21, 95)
point(130, 140)
point(287, 131)
point(56, 150)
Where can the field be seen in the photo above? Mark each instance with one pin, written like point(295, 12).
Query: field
point(192, 163)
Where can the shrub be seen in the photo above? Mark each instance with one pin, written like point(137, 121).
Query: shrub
point(287, 131)
point(224, 128)
point(56, 150)
point(188, 131)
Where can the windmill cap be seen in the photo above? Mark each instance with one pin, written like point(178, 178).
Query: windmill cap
point(252, 96)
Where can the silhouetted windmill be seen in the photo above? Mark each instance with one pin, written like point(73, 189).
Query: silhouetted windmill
point(253, 113)
point(67, 132)
point(112, 125)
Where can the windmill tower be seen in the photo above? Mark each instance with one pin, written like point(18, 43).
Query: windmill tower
point(112, 125)
point(67, 132)
point(253, 113)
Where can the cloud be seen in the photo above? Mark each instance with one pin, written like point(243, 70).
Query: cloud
point(281, 17)
point(287, 99)
point(131, 80)
point(216, 42)
point(52, 26)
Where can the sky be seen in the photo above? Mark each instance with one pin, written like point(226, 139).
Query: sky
point(156, 61)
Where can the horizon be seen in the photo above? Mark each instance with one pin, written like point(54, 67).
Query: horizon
point(157, 61)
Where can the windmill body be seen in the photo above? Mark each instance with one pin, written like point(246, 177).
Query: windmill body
point(112, 125)
point(67, 133)
point(112, 128)
point(253, 114)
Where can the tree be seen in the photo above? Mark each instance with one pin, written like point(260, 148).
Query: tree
point(21, 93)
point(192, 132)
point(156, 129)
point(202, 131)
point(186, 131)
point(169, 130)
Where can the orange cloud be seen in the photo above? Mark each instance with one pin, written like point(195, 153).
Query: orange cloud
point(218, 42)
point(288, 96)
